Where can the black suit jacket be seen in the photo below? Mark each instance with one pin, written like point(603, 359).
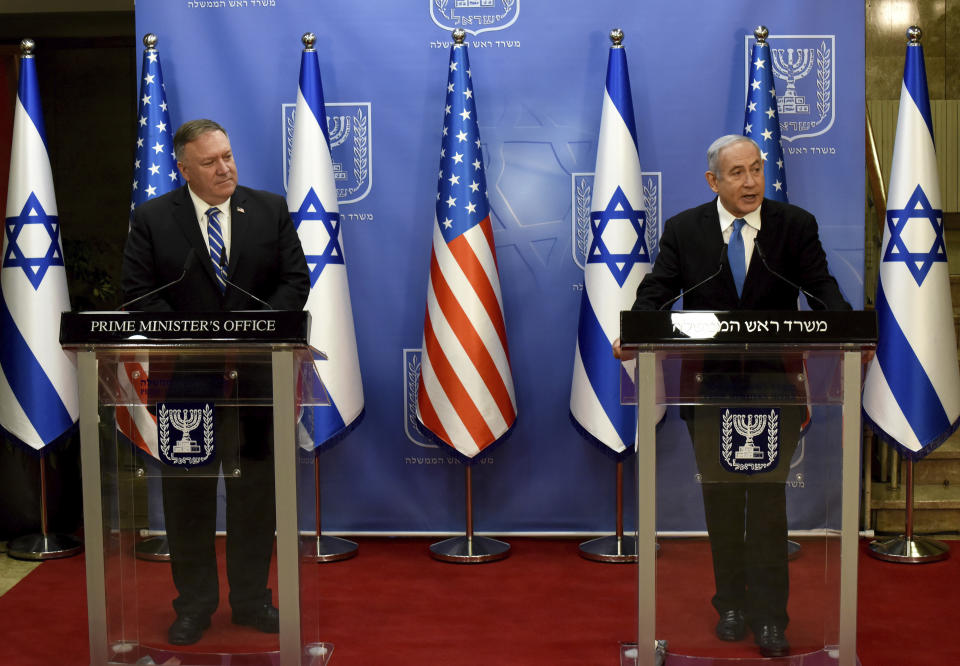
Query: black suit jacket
point(266, 257)
point(691, 248)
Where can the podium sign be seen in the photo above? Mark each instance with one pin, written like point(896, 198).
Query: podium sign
point(204, 393)
point(747, 396)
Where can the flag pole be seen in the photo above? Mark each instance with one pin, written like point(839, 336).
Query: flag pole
point(615, 548)
point(908, 548)
point(323, 548)
point(469, 549)
point(43, 546)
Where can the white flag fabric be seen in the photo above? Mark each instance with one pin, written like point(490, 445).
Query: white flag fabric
point(312, 200)
point(38, 381)
point(617, 259)
point(912, 392)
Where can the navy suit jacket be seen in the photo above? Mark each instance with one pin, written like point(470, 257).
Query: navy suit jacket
point(692, 246)
point(265, 258)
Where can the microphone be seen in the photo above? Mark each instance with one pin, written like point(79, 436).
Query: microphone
point(187, 265)
point(723, 256)
point(223, 273)
point(763, 260)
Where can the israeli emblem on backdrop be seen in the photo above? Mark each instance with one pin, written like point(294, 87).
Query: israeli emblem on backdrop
point(749, 440)
point(411, 380)
point(804, 68)
point(185, 433)
point(351, 147)
point(474, 16)
point(581, 196)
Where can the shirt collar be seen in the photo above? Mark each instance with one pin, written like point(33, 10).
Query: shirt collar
point(726, 217)
point(201, 206)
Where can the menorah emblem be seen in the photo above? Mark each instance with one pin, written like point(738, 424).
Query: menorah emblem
point(338, 128)
point(185, 420)
point(749, 425)
point(791, 69)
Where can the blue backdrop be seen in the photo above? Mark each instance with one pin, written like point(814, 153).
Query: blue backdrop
point(538, 72)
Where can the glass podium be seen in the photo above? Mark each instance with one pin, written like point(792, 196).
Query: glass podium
point(748, 465)
point(188, 426)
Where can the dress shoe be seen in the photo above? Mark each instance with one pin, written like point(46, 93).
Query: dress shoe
point(771, 640)
point(731, 626)
point(263, 618)
point(187, 629)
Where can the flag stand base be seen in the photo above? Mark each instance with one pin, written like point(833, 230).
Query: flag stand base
point(909, 550)
point(613, 548)
point(153, 549)
point(323, 548)
point(43, 547)
point(469, 549)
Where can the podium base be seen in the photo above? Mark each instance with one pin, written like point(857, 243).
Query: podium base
point(153, 549)
point(469, 550)
point(909, 550)
point(43, 547)
point(325, 548)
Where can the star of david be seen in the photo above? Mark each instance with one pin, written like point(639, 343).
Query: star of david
point(34, 267)
point(311, 210)
point(919, 263)
point(620, 264)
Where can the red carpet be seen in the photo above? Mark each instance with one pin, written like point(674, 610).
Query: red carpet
point(543, 605)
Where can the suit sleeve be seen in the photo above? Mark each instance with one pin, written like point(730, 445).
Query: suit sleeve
point(293, 279)
point(139, 273)
point(815, 274)
point(664, 281)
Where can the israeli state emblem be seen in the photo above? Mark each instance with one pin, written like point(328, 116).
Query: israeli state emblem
point(185, 433)
point(351, 147)
point(749, 440)
point(474, 16)
point(804, 68)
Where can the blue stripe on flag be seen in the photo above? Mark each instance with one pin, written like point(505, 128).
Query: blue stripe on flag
point(915, 81)
point(908, 381)
point(29, 94)
point(603, 372)
point(618, 88)
point(36, 394)
point(312, 90)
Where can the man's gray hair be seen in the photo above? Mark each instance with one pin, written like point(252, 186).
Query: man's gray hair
point(713, 152)
point(191, 130)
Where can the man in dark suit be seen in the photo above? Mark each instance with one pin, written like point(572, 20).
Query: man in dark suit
point(244, 237)
point(746, 238)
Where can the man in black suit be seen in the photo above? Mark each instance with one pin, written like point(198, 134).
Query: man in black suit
point(245, 237)
point(746, 237)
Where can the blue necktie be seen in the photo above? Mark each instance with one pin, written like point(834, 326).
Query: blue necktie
point(215, 239)
point(737, 255)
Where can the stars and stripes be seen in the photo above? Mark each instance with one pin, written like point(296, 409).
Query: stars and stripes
point(38, 386)
point(312, 201)
point(466, 396)
point(155, 166)
point(911, 395)
point(761, 122)
point(154, 173)
point(617, 260)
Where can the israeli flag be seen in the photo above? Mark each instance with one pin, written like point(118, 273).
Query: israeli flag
point(617, 259)
point(38, 380)
point(912, 392)
point(312, 200)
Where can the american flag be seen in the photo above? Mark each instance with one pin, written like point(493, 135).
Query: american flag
point(761, 122)
point(466, 397)
point(38, 382)
point(154, 173)
point(911, 395)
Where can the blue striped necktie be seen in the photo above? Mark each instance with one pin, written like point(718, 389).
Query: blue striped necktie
point(737, 255)
point(215, 239)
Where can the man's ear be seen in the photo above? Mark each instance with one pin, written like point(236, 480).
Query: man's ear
point(712, 181)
